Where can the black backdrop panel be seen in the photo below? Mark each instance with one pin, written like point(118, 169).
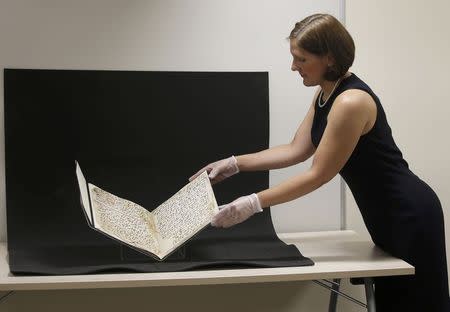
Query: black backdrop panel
point(139, 135)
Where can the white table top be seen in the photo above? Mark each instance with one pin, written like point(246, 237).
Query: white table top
point(336, 254)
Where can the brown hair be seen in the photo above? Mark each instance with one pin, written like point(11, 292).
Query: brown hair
point(323, 34)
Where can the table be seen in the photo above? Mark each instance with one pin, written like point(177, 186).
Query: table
point(336, 254)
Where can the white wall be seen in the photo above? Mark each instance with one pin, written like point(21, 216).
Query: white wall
point(402, 52)
point(199, 35)
point(177, 35)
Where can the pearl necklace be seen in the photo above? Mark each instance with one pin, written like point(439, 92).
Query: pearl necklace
point(332, 91)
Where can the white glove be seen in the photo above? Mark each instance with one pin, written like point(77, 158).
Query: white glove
point(237, 211)
point(219, 170)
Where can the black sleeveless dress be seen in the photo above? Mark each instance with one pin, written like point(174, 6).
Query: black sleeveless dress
point(402, 213)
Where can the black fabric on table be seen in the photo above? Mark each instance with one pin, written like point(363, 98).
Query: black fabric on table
point(139, 135)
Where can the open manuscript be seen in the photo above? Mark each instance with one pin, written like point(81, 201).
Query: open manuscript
point(157, 233)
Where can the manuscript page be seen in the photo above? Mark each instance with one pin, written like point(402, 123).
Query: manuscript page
point(124, 220)
point(185, 213)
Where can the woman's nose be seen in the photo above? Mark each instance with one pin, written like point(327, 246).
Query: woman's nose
point(293, 67)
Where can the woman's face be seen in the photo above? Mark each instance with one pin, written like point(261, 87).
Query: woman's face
point(310, 66)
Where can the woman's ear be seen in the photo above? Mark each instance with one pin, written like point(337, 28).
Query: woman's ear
point(330, 60)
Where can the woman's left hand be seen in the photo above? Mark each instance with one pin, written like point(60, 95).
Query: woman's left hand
point(237, 211)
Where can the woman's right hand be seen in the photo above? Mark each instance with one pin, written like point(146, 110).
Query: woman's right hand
point(219, 170)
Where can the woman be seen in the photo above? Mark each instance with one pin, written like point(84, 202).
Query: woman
point(347, 132)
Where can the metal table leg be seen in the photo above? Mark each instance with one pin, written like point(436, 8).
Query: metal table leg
point(323, 284)
point(3, 297)
point(335, 292)
point(334, 295)
point(370, 294)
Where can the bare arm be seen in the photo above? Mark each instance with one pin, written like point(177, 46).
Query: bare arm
point(351, 115)
point(281, 156)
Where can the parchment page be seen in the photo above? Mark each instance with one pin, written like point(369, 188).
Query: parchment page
point(185, 213)
point(124, 220)
point(82, 184)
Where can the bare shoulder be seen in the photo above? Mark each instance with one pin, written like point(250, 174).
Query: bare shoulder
point(354, 99)
point(355, 104)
